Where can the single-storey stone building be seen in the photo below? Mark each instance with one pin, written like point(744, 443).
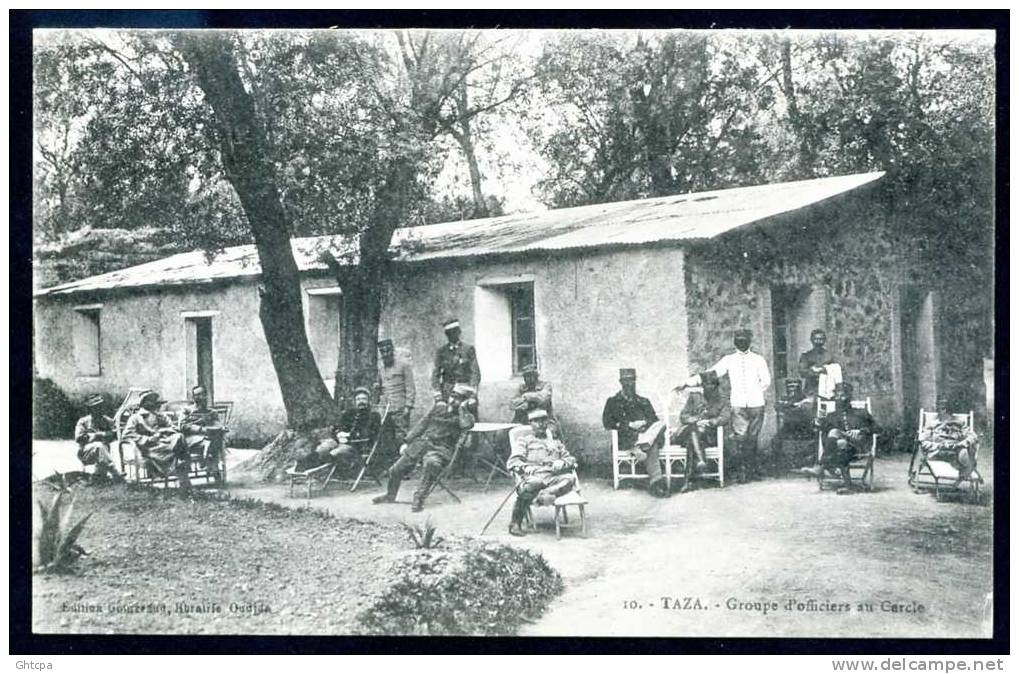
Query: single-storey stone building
point(657, 284)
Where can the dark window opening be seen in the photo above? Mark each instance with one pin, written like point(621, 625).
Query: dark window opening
point(521, 299)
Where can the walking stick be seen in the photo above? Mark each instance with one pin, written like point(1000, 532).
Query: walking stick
point(367, 462)
point(498, 510)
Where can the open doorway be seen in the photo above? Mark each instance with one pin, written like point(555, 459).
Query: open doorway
point(919, 383)
point(199, 354)
point(796, 310)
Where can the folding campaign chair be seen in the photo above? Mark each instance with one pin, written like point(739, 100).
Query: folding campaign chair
point(863, 462)
point(926, 474)
point(560, 514)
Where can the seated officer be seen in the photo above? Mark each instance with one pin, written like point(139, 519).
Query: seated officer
point(634, 419)
point(93, 433)
point(160, 445)
point(202, 432)
point(704, 411)
point(533, 394)
point(542, 465)
point(357, 429)
point(846, 433)
point(432, 441)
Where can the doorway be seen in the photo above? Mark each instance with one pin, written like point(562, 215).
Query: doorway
point(199, 355)
point(919, 351)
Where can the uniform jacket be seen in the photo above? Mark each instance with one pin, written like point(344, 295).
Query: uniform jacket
point(531, 398)
point(89, 426)
point(749, 377)
point(455, 364)
point(360, 424)
point(396, 385)
point(699, 408)
point(143, 426)
point(849, 419)
point(620, 411)
point(533, 450)
point(439, 430)
point(197, 420)
point(813, 358)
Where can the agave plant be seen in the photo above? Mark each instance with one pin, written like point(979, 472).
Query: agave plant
point(57, 539)
point(423, 537)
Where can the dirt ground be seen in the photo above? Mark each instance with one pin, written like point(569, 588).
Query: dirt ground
point(772, 558)
point(252, 570)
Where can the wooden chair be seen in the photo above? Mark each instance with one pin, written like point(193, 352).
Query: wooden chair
point(561, 504)
point(863, 462)
point(926, 474)
point(674, 454)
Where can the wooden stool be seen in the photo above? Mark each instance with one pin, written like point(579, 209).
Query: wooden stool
point(562, 520)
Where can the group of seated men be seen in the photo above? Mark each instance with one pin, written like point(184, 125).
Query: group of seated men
point(165, 446)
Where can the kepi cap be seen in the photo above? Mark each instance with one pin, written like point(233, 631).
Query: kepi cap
point(385, 342)
point(538, 413)
point(364, 390)
point(94, 401)
point(627, 373)
point(451, 323)
point(529, 369)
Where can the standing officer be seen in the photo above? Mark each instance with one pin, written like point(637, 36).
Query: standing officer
point(455, 363)
point(395, 384)
point(749, 378)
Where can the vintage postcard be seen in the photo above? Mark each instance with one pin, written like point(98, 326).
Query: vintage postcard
point(492, 332)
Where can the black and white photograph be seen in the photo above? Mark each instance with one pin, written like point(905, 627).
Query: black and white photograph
point(514, 332)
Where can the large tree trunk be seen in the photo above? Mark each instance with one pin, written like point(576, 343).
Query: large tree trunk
point(805, 155)
point(465, 138)
point(363, 286)
point(245, 161)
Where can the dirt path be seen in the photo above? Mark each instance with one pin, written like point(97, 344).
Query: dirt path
point(736, 553)
point(732, 560)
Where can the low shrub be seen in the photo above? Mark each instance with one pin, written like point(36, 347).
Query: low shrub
point(53, 413)
point(479, 590)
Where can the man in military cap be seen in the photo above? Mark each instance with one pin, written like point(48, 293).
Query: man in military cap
point(455, 363)
point(355, 432)
point(160, 445)
point(543, 466)
point(202, 431)
point(639, 429)
point(845, 433)
point(705, 410)
point(93, 433)
point(532, 394)
point(432, 441)
point(749, 378)
point(395, 384)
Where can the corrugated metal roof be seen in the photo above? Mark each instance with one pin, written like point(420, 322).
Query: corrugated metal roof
point(700, 215)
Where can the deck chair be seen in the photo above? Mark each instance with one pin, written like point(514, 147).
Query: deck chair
point(366, 457)
point(862, 463)
point(674, 454)
point(447, 472)
point(941, 476)
point(560, 513)
point(132, 466)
